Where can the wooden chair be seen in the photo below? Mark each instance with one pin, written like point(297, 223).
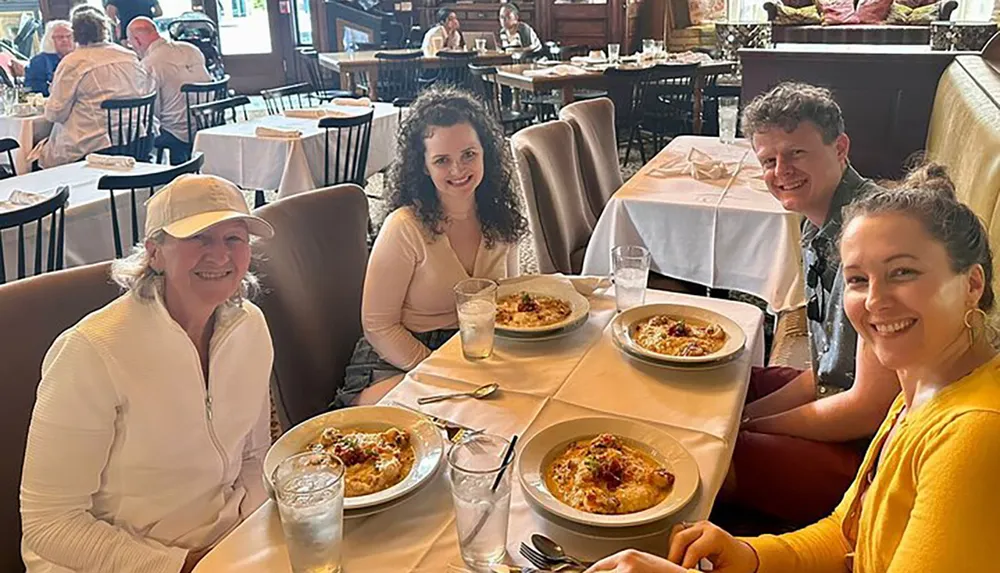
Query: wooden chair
point(219, 112)
point(8, 145)
point(669, 106)
point(53, 208)
point(200, 93)
point(348, 152)
point(134, 183)
point(454, 69)
point(322, 81)
point(280, 99)
point(487, 88)
point(130, 126)
point(398, 79)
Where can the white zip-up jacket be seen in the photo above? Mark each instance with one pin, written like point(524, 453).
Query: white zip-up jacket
point(132, 458)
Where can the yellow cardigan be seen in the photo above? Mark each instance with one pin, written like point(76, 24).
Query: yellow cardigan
point(934, 504)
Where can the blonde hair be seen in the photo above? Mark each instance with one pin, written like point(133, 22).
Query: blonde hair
point(135, 274)
point(48, 44)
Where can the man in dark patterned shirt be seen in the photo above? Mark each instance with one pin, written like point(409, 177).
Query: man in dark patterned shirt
point(798, 449)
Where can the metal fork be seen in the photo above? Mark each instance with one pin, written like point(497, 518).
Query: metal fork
point(540, 561)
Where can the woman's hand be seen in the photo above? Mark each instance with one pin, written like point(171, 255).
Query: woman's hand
point(632, 561)
point(692, 543)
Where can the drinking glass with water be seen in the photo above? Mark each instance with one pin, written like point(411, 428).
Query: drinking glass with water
point(630, 269)
point(729, 110)
point(309, 491)
point(476, 301)
point(481, 511)
point(614, 53)
point(481, 45)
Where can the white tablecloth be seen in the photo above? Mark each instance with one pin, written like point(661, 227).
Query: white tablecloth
point(743, 241)
point(88, 215)
point(543, 383)
point(27, 131)
point(291, 166)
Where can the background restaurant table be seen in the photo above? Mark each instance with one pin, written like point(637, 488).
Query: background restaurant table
point(27, 131)
point(743, 241)
point(543, 383)
point(88, 214)
point(291, 166)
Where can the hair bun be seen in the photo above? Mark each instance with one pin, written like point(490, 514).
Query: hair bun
point(931, 177)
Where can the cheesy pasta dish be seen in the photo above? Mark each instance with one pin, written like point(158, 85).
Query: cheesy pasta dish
point(604, 475)
point(677, 337)
point(373, 461)
point(527, 310)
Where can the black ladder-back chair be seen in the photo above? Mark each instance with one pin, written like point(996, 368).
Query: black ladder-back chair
point(130, 126)
point(214, 113)
point(134, 183)
point(351, 140)
point(454, 69)
point(55, 209)
point(486, 87)
point(284, 98)
point(399, 76)
point(323, 81)
point(631, 83)
point(8, 145)
point(669, 107)
point(199, 93)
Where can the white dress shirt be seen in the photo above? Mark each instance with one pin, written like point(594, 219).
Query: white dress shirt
point(86, 77)
point(173, 64)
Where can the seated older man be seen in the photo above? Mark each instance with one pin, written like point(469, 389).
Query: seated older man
point(56, 43)
point(96, 71)
point(172, 64)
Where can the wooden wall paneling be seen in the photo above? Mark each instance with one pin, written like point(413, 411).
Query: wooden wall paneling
point(885, 92)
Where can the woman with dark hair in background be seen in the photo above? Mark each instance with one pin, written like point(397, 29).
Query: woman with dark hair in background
point(447, 35)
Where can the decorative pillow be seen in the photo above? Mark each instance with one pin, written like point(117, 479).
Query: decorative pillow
point(791, 16)
point(923, 16)
point(835, 12)
point(873, 11)
point(705, 11)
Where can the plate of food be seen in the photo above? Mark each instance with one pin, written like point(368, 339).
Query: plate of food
point(538, 307)
point(623, 346)
point(607, 472)
point(678, 333)
point(388, 451)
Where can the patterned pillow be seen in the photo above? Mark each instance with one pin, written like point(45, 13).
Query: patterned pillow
point(705, 11)
point(792, 16)
point(924, 15)
point(873, 11)
point(835, 12)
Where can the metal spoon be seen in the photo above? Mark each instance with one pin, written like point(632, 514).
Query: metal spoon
point(481, 392)
point(554, 552)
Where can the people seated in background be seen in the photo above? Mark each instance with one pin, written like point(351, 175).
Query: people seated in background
point(147, 440)
point(56, 43)
point(804, 432)
point(172, 64)
point(10, 68)
point(446, 35)
point(515, 34)
point(918, 270)
point(96, 71)
point(122, 12)
point(455, 214)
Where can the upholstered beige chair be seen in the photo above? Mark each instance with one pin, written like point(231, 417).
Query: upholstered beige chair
point(593, 124)
point(560, 217)
point(312, 272)
point(33, 312)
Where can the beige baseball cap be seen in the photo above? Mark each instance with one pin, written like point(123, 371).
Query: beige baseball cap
point(192, 203)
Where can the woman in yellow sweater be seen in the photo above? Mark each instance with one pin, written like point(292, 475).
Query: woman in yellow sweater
point(918, 270)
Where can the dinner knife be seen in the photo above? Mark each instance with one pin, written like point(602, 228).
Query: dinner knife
point(437, 421)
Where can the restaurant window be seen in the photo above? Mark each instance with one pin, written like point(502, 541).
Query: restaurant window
point(20, 22)
point(303, 23)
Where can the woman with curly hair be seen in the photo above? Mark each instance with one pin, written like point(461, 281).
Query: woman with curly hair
point(455, 214)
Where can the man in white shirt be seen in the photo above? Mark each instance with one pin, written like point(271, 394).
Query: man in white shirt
point(173, 64)
point(516, 35)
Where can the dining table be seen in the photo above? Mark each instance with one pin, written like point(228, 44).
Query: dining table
point(28, 131)
point(353, 66)
point(724, 232)
point(88, 232)
point(289, 165)
point(582, 374)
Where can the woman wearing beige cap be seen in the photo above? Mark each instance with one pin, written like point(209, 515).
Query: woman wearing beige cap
point(147, 440)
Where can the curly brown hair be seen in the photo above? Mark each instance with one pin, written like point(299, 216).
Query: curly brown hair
point(90, 25)
point(498, 204)
point(788, 104)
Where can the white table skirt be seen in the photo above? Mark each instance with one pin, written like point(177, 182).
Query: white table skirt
point(746, 241)
point(290, 166)
point(88, 215)
point(543, 383)
point(27, 131)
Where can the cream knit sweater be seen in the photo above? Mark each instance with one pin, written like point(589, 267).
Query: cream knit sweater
point(132, 459)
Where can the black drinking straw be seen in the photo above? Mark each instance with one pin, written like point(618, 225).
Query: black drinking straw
point(506, 461)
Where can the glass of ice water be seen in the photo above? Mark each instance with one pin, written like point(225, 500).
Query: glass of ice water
point(729, 109)
point(309, 491)
point(476, 301)
point(481, 45)
point(481, 512)
point(630, 268)
point(614, 53)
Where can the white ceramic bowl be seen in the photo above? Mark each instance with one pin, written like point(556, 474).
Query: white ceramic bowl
point(579, 305)
point(544, 446)
point(621, 329)
point(428, 446)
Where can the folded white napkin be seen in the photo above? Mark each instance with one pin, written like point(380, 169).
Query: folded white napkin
point(560, 70)
point(585, 285)
point(120, 162)
point(696, 164)
point(359, 102)
point(18, 199)
point(314, 113)
point(277, 132)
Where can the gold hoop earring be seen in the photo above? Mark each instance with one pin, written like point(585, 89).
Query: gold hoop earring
point(967, 320)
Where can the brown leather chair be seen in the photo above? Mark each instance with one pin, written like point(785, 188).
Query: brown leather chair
point(312, 272)
point(560, 217)
point(593, 124)
point(33, 312)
